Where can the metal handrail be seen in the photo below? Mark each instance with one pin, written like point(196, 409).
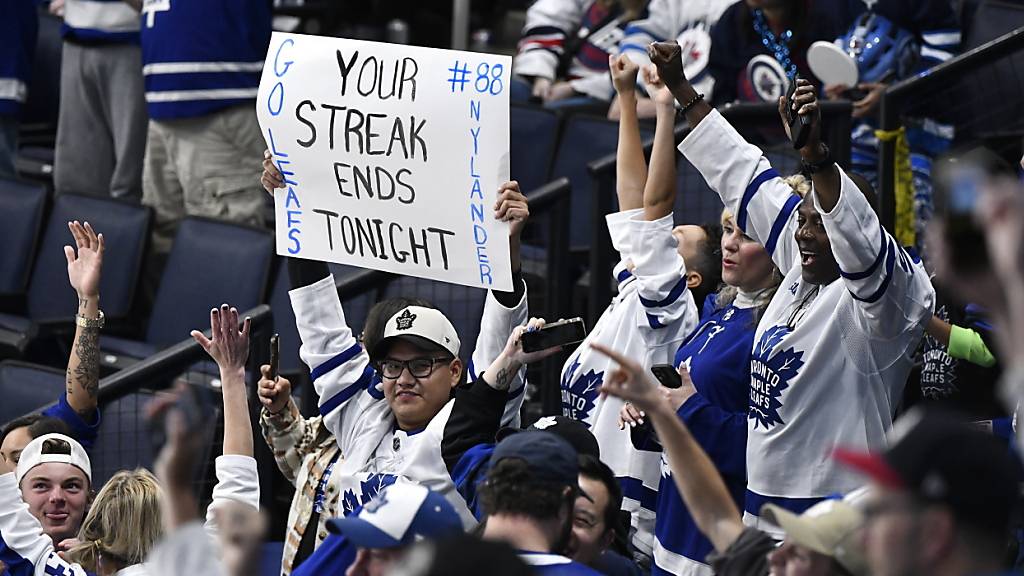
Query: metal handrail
point(171, 360)
point(896, 96)
point(836, 124)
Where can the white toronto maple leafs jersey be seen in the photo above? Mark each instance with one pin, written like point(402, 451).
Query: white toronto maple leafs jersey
point(689, 23)
point(375, 452)
point(652, 314)
point(829, 363)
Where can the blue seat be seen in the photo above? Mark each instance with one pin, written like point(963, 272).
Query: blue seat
point(50, 298)
point(30, 387)
point(21, 217)
point(584, 139)
point(211, 262)
point(533, 135)
point(461, 304)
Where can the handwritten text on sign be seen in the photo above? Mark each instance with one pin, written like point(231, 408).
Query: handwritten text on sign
point(392, 156)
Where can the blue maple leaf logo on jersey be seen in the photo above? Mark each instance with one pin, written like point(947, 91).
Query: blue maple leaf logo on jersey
point(579, 392)
point(770, 375)
point(368, 489)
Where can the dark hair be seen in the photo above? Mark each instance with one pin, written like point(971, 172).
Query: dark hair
point(56, 446)
point(708, 264)
point(510, 489)
point(37, 424)
point(380, 313)
point(614, 520)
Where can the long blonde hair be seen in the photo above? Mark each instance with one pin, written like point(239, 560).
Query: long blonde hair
point(123, 524)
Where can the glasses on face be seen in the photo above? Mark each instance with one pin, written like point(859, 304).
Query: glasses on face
point(418, 367)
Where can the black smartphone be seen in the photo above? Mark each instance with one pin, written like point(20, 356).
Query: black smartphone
point(799, 126)
point(557, 334)
point(275, 355)
point(667, 375)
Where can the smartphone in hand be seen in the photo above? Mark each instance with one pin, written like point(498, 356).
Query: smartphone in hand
point(667, 375)
point(799, 126)
point(560, 333)
point(275, 355)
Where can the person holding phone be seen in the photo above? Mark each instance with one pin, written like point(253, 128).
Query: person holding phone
point(711, 392)
point(834, 347)
point(663, 273)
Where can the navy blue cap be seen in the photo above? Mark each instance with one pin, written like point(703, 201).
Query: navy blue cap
point(548, 456)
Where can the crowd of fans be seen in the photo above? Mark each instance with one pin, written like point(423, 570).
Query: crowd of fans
point(787, 389)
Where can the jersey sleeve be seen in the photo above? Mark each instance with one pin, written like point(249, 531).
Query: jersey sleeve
point(188, 550)
point(763, 205)
point(345, 382)
point(237, 481)
point(82, 431)
point(496, 327)
point(468, 438)
point(29, 551)
point(660, 272)
point(290, 437)
point(618, 231)
point(548, 23)
point(892, 291)
point(722, 434)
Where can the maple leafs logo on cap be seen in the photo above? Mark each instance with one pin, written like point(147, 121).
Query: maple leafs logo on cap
point(404, 322)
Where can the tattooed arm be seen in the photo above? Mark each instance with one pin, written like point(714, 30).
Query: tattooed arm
point(84, 269)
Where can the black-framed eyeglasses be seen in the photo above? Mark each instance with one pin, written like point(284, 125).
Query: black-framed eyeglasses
point(418, 367)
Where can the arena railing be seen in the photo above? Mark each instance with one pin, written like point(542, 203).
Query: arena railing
point(960, 74)
point(758, 121)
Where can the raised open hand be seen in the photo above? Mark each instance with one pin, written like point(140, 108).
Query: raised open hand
point(85, 266)
point(228, 345)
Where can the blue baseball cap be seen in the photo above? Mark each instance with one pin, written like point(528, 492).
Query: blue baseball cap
point(400, 514)
point(548, 456)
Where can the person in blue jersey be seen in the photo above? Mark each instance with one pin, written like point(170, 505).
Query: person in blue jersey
point(663, 272)
point(714, 366)
point(892, 41)
point(562, 58)
point(18, 29)
point(202, 63)
point(759, 46)
point(826, 540)
point(529, 497)
point(77, 406)
point(101, 126)
point(835, 345)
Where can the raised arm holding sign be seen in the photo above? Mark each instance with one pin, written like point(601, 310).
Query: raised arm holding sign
point(390, 156)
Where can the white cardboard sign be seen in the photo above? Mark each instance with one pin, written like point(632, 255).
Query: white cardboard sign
point(392, 156)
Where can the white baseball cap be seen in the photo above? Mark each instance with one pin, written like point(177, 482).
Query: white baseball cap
point(33, 456)
point(830, 527)
point(400, 514)
point(424, 327)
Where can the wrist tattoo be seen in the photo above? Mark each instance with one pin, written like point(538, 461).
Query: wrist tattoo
point(83, 302)
point(503, 379)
